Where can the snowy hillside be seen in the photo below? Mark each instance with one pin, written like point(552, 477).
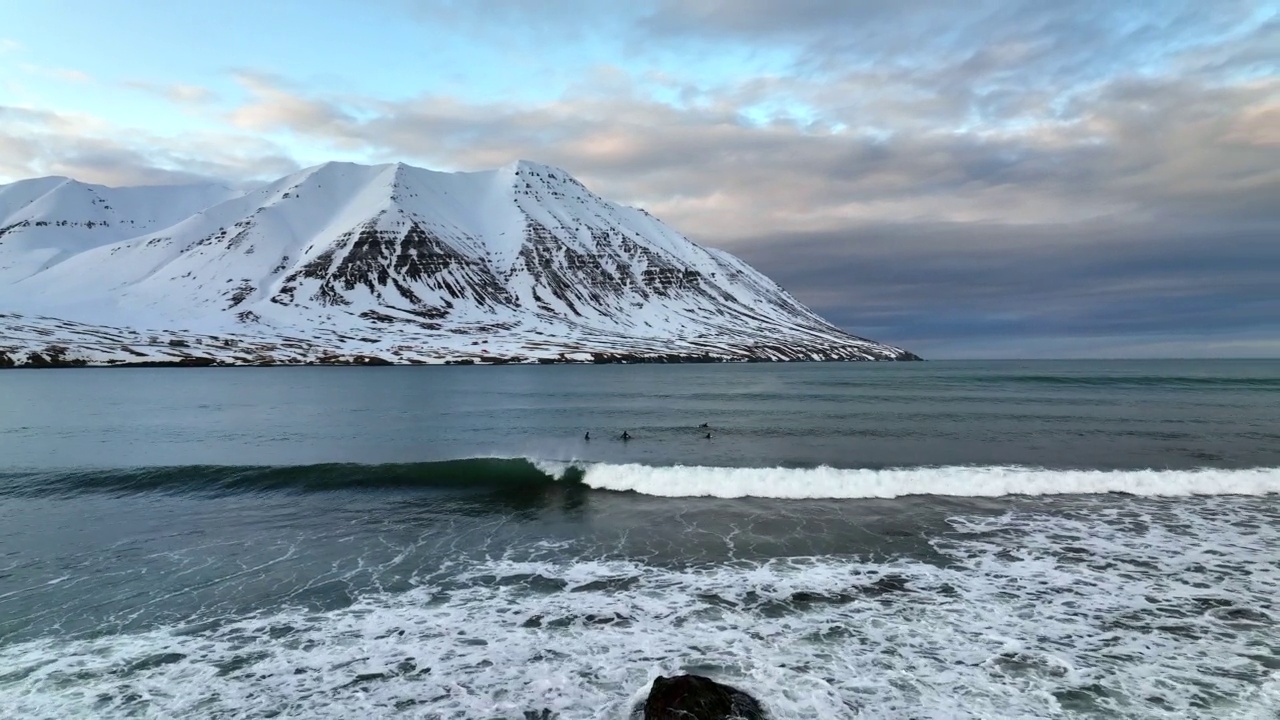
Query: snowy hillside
point(385, 263)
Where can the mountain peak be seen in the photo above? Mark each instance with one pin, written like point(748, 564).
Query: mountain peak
point(533, 166)
point(527, 168)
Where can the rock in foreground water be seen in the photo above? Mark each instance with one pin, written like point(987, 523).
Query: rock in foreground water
point(693, 697)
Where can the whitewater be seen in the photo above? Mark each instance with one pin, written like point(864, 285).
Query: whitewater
point(828, 482)
point(923, 540)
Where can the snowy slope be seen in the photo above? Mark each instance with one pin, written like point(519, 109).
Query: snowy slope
point(46, 220)
point(391, 262)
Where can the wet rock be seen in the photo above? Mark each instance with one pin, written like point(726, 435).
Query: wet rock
point(693, 697)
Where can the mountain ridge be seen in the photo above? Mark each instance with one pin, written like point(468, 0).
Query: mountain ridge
point(521, 262)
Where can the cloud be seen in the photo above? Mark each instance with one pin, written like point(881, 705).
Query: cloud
point(964, 289)
point(1258, 126)
point(273, 106)
point(9, 45)
point(1137, 148)
point(38, 142)
point(983, 38)
point(176, 93)
point(569, 20)
point(70, 75)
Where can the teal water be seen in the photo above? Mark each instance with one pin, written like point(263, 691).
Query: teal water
point(1175, 414)
point(923, 540)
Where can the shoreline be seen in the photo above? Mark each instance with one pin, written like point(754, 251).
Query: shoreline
point(45, 342)
point(43, 363)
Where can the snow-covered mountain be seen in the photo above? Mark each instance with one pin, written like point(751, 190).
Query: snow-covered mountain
point(344, 262)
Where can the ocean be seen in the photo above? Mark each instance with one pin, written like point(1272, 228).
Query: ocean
point(1079, 539)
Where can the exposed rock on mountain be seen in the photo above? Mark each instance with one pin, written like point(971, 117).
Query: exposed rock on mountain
point(388, 263)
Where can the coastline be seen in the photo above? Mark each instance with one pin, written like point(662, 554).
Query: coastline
point(43, 362)
point(37, 342)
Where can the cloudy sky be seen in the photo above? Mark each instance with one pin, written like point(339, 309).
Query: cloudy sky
point(966, 179)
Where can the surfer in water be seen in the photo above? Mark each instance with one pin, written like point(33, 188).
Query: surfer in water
point(626, 435)
point(704, 425)
point(708, 437)
point(587, 436)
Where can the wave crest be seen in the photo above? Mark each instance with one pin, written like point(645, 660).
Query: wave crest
point(659, 481)
point(960, 481)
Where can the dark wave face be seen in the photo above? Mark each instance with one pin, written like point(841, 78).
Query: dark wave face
point(476, 474)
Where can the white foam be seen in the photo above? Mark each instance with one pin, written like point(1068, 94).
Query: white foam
point(961, 481)
point(555, 468)
point(1101, 611)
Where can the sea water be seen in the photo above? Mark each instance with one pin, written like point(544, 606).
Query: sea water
point(913, 540)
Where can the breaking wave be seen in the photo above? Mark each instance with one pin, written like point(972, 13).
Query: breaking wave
point(660, 481)
point(960, 481)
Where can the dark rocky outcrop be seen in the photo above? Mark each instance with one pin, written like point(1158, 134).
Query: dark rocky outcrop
point(53, 357)
point(183, 362)
point(352, 360)
point(693, 697)
point(389, 264)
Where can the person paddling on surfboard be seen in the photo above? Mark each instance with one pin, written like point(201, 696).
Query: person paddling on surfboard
point(626, 435)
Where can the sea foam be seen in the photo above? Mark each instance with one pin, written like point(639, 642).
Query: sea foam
point(959, 481)
point(1136, 609)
